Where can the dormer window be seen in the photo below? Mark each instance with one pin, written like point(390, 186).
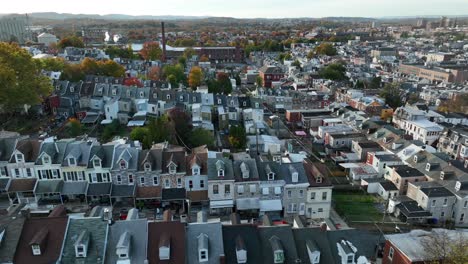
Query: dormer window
point(71, 161)
point(46, 159)
point(295, 177)
point(202, 248)
point(442, 175)
point(271, 176)
point(19, 157)
point(123, 246)
point(428, 167)
point(172, 168)
point(165, 247)
point(97, 163)
point(123, 164)
point(195, 170)
point(81, 244)
point(457, 186)
point(168, 97)
point(241, 252)
point(219, 101)
point(319, 179)
point(147, 166)
point(220, 173)
point(36, 250)
point(415, 159)
point(244, 170)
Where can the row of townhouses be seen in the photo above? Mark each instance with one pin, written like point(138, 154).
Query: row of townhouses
point(84, 170)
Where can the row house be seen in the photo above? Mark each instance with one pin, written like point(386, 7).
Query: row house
point(220, 185)
point(454, 142)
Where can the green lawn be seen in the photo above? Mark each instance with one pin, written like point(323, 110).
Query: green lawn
point(356, 206)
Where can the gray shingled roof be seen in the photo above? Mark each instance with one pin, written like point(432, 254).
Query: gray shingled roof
point(97, 230)
point(215, 241)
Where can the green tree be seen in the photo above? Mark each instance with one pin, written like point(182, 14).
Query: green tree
point(296, 64)
point(111, 130)
point(151, 51)
point(75, 128)
point(195, 77)
point(325, 49)
point(71, 41)
point(182, 61)
point(174, 74)
point(20, 80)
point(375, 82)
point(259, 81)
point(140, 134)
point(224, 83)
point(311, 54)
point(392, 95)
point(189, 52)
point(52, 64)
point(124, 53)
point(200, 136)
point(237, 137)
point(334, 71)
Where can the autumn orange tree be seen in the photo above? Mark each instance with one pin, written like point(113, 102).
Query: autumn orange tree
point(154, 73)
point(151, 51)
point(195, 77)
point(72, 41)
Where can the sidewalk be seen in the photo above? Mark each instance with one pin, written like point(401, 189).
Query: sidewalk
point(336, 219)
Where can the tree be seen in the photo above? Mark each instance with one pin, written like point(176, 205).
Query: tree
point(199, 137)
point(237, 137)
point(182, 61)
point(181, 122)
point(311, 54)
point(71, 41)
point(325, 49)
point(189, 52)
point(392, 95)
point(154, 73)
point(174, 74)
point(195, 77)
point(151, 51)
point(259, 81)
point(139, 133)
point(105, 68)
point(204, 58)
point(224, 83)
point(457, 105)
point(442, 248)
point(72, 72)
point(375, 82)
point(334, 71)
point(75, 128)
point(111, 130)
point(20, 80)
point(124, 53)
point(296, 64)
point(52, 64)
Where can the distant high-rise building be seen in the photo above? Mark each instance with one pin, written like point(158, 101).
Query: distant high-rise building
point(14, 29)
point(421, 23)
point(93, 35)
point(444, 22)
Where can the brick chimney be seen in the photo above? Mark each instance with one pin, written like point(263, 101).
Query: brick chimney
point(163, 59)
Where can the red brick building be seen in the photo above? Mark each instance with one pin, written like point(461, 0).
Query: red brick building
point(270, 74)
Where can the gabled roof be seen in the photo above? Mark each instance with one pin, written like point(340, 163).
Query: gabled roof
point(54, 227)
point(282, 234)
point(215, 240)
point(250, 241)
point(215, 164)
point(166, 233)
point(97, 230)
point(7, 146)
point(250, 166)
point(29, 148)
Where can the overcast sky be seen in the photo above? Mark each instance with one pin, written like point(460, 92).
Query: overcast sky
point(244, 8)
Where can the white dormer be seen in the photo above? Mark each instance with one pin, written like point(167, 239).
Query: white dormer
point(346, 251)
point(415, 159)
point(313, 252)
point(81, 244)
point(172, 168)
point(295, 177)
point(244, 170)
point(457, 186)
point(147, 166)
point(123, 246)
point(195, 169)
point(123, 164)
point(96, 162)
point(271, 176)
point(241, 251)
point(36, 249)
point(71, 161)
point(19, 157)
point(165, 246)
point(45, 159)
point(203, 248)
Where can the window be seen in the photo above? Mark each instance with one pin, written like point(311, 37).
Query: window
point(36, 249)
point(253, 188)
point(96, 163)
point(190, 183)
point(433, 203)
point(465, 204)
point(147, 166)
point(123, 165)
point(227, 189)
point(319, 179)
point(130, 179)
point(324, 196)
point(390, 253)
point(215, 189)
point(301, 193)
point(19, 158)
point(271, 176)
point(445, 201)
point(320, 210)
point(312, 196)
point(220, 173)
point(167, 184)
point(93, 177)
point(17, 172)
point(289, 193)
point(46, 160)
point(55, 174)
point(119, 179)
point(442, 214)
point(203, 255)
point(240, 189)
point(277, 191)
point(142, 181)
point(202, 184)
point(350, 258)
point(71, 162)
point(172, 168)
point(196, 171)
point(265, 191)
point(155, 180)
point(179, 182)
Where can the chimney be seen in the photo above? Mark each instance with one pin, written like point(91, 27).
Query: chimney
point(202, 217)
point(235, 219)
point(163, 42)
point(167, 216)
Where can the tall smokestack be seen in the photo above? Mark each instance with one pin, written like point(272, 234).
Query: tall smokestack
point(163, 42)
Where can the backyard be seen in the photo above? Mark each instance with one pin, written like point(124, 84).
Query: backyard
point(356, 206)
